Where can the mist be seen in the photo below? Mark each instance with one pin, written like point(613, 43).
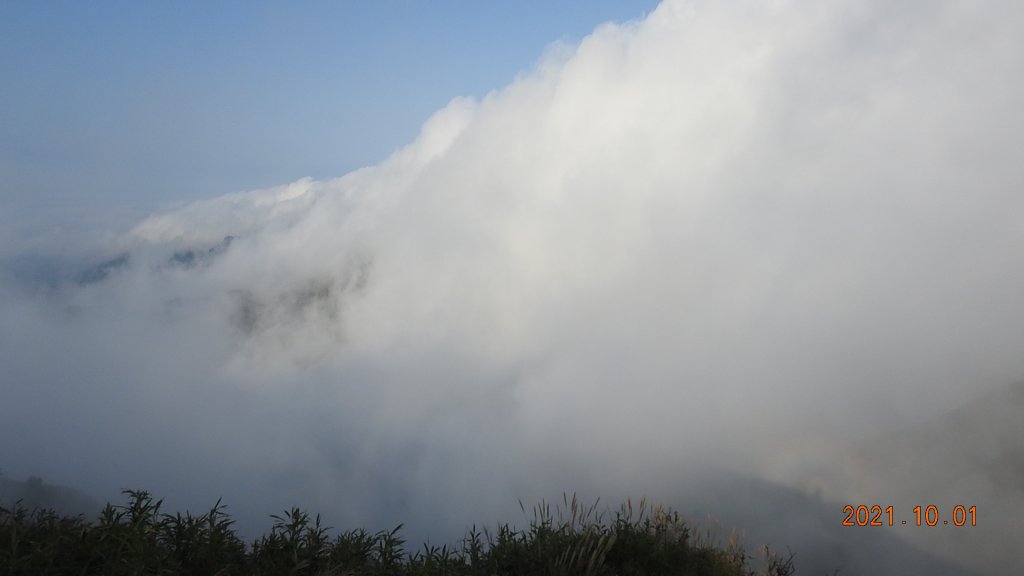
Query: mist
point(728, 240)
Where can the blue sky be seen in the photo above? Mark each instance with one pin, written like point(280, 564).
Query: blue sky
point(114, 109)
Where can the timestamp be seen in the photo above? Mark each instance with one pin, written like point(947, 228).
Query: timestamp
point(930, 515)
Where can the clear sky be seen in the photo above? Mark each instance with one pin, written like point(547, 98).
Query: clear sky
point(111, 110)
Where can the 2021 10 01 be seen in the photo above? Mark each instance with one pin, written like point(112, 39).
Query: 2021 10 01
point(930, 515)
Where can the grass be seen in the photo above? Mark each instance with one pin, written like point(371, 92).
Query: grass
point(572, 540)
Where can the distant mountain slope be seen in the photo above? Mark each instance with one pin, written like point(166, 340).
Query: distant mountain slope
point(810, 526)
point(34, 493)
point(970, 456)
point(979, 444)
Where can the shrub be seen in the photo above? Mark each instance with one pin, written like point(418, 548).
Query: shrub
point(573, 540)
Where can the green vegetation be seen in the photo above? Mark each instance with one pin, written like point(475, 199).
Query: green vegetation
point(137, 538)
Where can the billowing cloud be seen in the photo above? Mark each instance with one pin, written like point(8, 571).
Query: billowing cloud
point(730, 237)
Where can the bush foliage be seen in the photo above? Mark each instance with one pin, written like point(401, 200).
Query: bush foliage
point(137, 538)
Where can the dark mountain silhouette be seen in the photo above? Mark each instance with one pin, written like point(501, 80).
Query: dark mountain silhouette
point(34, 493)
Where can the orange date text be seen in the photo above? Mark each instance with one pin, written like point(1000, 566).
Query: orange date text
point(930, 515)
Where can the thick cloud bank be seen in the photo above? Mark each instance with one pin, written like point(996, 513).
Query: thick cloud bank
point(728, 237)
